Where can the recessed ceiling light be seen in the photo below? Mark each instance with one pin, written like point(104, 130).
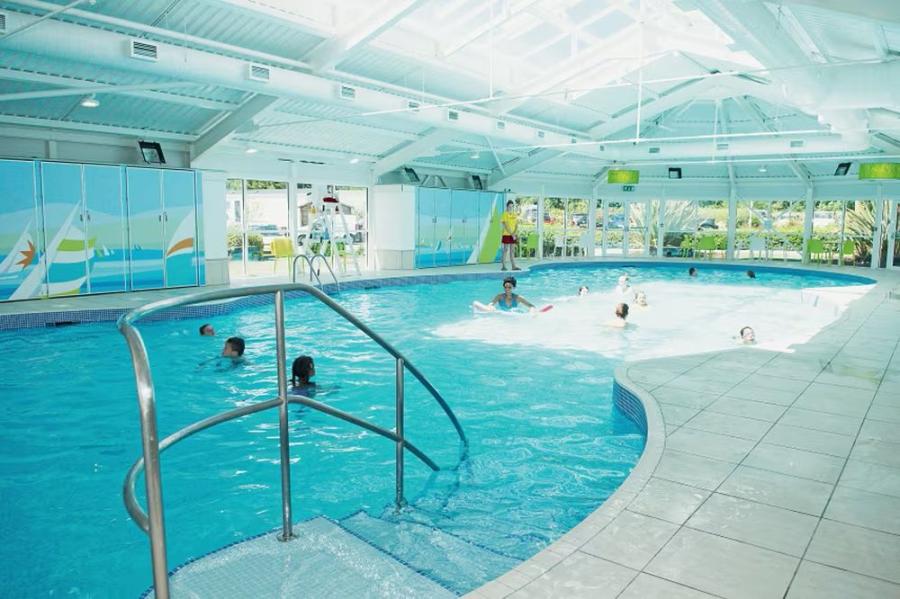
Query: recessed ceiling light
point(475, 156)
point(251, 151)
point(354, 160)
point(90, 101)
point(763, 169)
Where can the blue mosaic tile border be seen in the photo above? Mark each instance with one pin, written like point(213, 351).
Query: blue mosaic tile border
point(631, 406)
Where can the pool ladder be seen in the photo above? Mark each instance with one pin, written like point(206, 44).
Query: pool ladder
point(310, 261)
point(151, 521)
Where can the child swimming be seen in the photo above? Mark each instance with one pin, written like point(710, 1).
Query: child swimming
point(619, 322)
point(623, 287)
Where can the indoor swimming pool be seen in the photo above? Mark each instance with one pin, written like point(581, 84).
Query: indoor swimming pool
point(533, 393)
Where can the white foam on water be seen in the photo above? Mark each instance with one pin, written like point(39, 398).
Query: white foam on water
point(682, 318)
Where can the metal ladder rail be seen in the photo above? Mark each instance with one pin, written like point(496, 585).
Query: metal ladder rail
point(312, 271)
point(324, 260)
point(147, 406)
point(129, 493)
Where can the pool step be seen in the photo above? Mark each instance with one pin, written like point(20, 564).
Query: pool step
point(325, 560)
point(452, 561)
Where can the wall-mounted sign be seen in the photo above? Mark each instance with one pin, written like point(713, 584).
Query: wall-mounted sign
point(623, 176)
point(879, 170)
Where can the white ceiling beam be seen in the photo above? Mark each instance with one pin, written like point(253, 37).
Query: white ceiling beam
point(80, 126)
point(520, 165)
point(49, 15)
point(682, 93)
point(487, 27)
point(384, 16)
point(249, 109)
point(876, 10)
point(90, 89)
point(424, 145)
point(316, 18)
point(109, 88)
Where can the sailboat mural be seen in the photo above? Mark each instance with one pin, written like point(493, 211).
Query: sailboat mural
point(22, 254)
point(65, 261)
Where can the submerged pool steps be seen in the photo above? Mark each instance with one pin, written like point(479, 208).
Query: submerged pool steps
point(359, 556)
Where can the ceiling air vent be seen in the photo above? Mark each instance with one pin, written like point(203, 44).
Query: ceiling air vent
point(721, 146)
point(654, 150)
point(258, 72)
point(452, 115)
point(347, 93)
point(797, 143)
point(501, 125)
point(413, 106)
point(2, 23)
point(144, 50)
point(541, 134)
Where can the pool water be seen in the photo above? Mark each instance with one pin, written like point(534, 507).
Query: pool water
point(532, 392)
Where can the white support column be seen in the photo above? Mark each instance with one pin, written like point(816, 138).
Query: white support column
point(647, 210)
point(292, 207)
point(731, 228)
point(592, 223)
point(605, 237)
point(876, 234)
point(626, 227)
point(808, 216)
point(540, 225)
point(661, 224)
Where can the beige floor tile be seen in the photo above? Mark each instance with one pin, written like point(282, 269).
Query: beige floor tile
point(859, 550)
point(862, 508)
point(581, 576)
point(795, 462)
point(631, 539)
point(646, 586)
point(780, 490)
point(668, 500)
point(815, 581)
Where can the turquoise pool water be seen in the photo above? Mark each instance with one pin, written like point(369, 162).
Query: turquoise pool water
point(532, 394)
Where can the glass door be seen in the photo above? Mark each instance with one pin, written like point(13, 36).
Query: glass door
point(105, 225)
point(614, 229)
point(637, 231)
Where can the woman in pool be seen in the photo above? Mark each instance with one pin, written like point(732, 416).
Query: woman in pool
point(508, 300)
point(619, 321)
point(640, 299)
point(302, 370)
point(747, 336)
point(624, 285)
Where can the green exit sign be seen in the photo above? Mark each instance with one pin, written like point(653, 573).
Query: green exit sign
point(628, 188)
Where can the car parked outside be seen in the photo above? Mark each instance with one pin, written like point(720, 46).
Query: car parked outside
point(708, 223)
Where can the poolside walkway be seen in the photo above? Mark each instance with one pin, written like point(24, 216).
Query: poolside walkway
point(765, 475)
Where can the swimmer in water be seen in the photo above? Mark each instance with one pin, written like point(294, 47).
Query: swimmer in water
point(640, 298)
point(583, 291)
point(207, 330)
point(747, 336)
point(619, 321)
point(692, 272)
point(624, 285)
point(302, 370)
point(751, 274)
point(234, 349)
point(508, 300)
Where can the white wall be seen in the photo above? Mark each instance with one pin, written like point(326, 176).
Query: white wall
point(49, 144)
point(214, 227)
point(392, 225)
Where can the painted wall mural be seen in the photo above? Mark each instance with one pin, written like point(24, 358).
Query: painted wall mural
point(71, 229)
point(457, 226)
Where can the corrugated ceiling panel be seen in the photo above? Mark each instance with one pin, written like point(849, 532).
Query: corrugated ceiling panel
point(570, 117)
point(327, 135)
point(142, 113)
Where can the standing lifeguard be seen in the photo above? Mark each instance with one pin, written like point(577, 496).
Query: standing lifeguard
point(510, 223)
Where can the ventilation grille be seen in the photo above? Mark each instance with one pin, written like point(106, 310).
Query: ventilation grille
point(452, 115)
point(144, 51)
point(541, 134)
point(347, 93)
point(797, 143)
point(258, 72)
point(2, 23)
point(722, 146)
point(654, 150)
point(501, 125)
point(413, 106)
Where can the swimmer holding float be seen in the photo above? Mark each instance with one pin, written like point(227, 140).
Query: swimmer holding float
point(508, 301)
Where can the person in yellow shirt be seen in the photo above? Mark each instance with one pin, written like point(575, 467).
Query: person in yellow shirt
point(510, 227)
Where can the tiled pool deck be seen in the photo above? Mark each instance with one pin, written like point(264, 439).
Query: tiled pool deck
point(765, 474)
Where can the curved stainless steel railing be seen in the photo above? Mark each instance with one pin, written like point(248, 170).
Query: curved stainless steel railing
point(312, 271)
point(152, 521)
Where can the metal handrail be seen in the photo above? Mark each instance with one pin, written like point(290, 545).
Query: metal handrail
point(151, 446)
point(327, 265)
point(128, 488)
point(312, 271)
